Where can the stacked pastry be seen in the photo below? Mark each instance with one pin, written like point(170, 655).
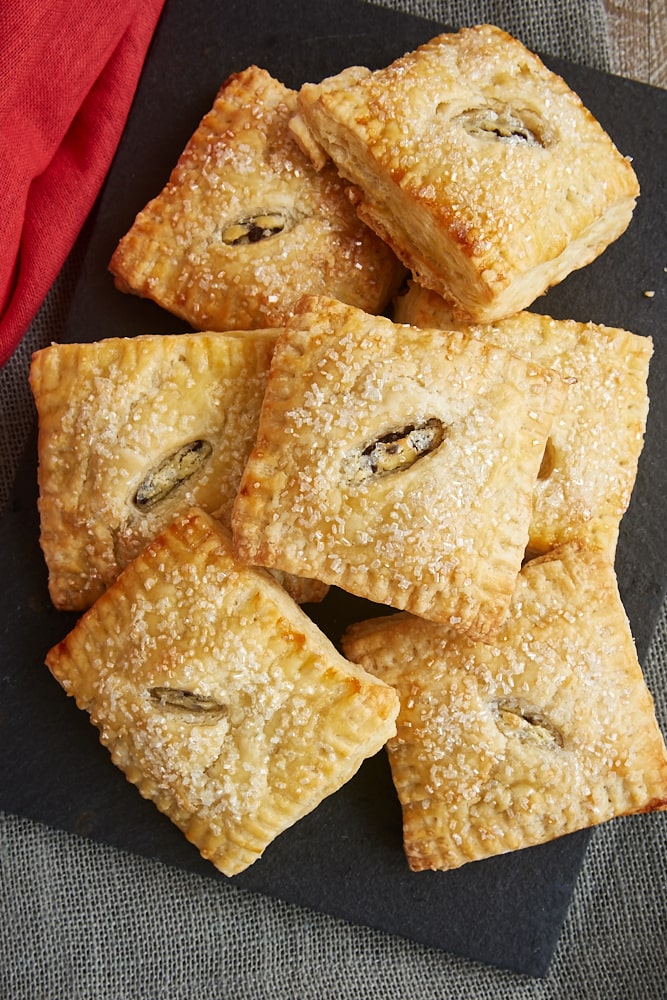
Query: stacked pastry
point(464, 463)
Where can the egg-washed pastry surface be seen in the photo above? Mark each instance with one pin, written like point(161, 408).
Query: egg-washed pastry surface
point(396, 463)
point(548, 730)
point(236, 724)
point(592, 453)
point(245, 225)
point(478, 165)
point(131, 431)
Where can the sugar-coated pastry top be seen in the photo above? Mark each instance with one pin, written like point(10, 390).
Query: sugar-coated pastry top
point(547, 730)
point(478, 165)
point(245, 225)
point(132, 430)
point(217, 696)
point(590, 463)
point(194, 487)
point(397, 463)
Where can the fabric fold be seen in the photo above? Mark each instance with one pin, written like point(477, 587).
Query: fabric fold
point(70, 70)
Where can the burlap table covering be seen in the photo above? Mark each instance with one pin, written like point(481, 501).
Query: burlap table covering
point(82, 920)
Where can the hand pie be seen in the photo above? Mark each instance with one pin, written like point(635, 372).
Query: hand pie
point(245, 225)
point(590, 461)
point(217, 696)
point(396, 463)
point(131, 431)
point(479, 166)
point(548, 730)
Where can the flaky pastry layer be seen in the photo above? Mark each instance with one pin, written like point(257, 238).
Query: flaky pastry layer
point(477, 164)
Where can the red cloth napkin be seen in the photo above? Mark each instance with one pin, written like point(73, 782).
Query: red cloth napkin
point(68, 73)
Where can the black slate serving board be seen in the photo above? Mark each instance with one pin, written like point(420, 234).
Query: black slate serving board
point(346, 857)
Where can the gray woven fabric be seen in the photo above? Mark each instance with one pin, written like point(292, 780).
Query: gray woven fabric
point(81, 920)
point(573, 29)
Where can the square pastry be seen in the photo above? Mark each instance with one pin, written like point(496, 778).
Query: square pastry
point(245, 225)
point(132, 431)
point(477, 164)
point(590, 461)
point(396, 463)
point(217, 696)
point(548, 730)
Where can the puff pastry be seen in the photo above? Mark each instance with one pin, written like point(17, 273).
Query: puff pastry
point(548, 730)
point(479, 166)
point(131, 431)
point(396, 463)
point(592, 453)
point(245, 225)
point(217, 696)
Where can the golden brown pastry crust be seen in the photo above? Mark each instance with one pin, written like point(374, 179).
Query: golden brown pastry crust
point(219, 699)
point(590, 463)
point(479, 166)
point(195, 250)
point(548, 730)
point(117, 418)
point(396, 463)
